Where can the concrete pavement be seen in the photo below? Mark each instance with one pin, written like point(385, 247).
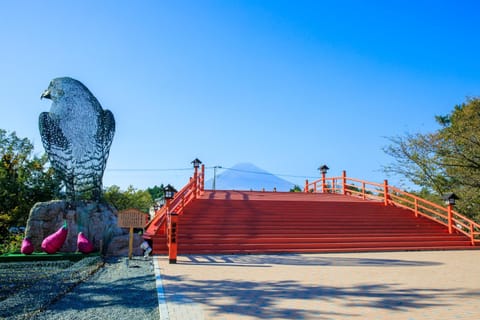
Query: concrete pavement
point(430, 285)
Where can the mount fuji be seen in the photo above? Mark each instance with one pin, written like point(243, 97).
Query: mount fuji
point(246, 176)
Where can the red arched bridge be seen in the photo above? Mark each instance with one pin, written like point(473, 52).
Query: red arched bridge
point(333, 214)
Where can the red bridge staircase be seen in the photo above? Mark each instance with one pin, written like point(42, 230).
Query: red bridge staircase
point(333, 215)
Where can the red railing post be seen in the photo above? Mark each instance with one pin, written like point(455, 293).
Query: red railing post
point(416, 208)
point(195, 177)
point(363, 191)
point(344, 182)
point(172, 237)
point(472, 235)
point(323, 182)
point(450, 218)
point(306, 186)
point(385, 190)
point(202, 184)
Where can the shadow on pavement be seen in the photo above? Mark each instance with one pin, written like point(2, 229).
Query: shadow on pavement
point(299, 259)
point(261, 299)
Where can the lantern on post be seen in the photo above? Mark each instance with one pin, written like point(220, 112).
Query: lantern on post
point(172, 221)
point(323, 171)
point(196, 164)
point(449, 199)
point(169, 192)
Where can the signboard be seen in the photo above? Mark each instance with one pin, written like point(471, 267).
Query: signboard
point(131, 218)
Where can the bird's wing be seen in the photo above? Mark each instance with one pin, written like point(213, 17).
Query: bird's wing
point(108, 129)
point(104, 138)
point(54, 141)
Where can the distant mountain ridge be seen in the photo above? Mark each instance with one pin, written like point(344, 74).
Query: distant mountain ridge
point(247, 176)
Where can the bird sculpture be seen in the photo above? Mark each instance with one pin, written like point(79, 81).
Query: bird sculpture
point(76, 134)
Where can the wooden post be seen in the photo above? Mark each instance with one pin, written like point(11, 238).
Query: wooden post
point(323, 182)
point(195, 182)
point(450, 218)
point(306, 186)
point(172, 238)
point(472, 235)
point(131, 218)
point(202, 184)
point(385, 190)
point(130, 244)
point(344, 182)
point(416, 208)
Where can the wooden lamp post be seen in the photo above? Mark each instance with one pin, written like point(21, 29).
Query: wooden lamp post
point(450, 202)
point(196, 164)
point(323, 170)
point(172, 220)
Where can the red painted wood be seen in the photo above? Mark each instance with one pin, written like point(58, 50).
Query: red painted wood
point(257, 222)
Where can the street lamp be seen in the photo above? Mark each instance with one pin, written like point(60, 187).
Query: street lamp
point(196, 163)
point(169, 192)
point(323, 170)
point(215, 176)
point(449, 199)
point(172, 220)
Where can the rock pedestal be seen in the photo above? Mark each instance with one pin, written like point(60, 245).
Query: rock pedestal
point(97, 221)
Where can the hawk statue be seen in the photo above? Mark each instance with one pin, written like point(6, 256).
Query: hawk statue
point(76, 134)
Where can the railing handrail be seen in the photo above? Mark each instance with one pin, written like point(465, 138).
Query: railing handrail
point(391, 195)
point(181, 199)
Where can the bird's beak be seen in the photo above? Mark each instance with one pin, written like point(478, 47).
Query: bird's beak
point(46, 94)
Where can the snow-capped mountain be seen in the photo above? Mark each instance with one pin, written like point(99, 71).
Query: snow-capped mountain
point(246, 176)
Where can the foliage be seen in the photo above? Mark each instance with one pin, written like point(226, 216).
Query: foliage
point(156, 192)
point(131, 198)
point(296, 188)
point(447, 160)
point(24, 180)
point(11, 243)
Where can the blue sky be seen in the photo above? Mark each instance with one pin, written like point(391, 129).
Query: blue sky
point(286, 85)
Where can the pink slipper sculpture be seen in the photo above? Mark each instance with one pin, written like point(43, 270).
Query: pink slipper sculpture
point(27, 246)
point(54, 242)
point(83, 244)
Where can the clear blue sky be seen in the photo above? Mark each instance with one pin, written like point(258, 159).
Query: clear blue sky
point(286, 85)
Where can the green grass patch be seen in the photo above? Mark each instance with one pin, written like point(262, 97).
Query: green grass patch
point(42, 256)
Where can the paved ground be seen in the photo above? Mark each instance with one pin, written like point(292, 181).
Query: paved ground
point(399, 285)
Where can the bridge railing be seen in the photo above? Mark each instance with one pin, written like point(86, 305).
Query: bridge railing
point(165, 219)
point(391, 195)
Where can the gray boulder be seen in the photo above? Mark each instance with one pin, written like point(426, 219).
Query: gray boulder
point(97, 221)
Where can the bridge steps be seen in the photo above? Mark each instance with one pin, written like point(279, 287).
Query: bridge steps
point(254, 222)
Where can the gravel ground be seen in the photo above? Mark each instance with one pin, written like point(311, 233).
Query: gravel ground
point(116, 288)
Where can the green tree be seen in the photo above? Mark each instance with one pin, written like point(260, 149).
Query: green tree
point(24, 180)
point(130, 198)
point(156, 192)
point(447, 160)
point(296, 188)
